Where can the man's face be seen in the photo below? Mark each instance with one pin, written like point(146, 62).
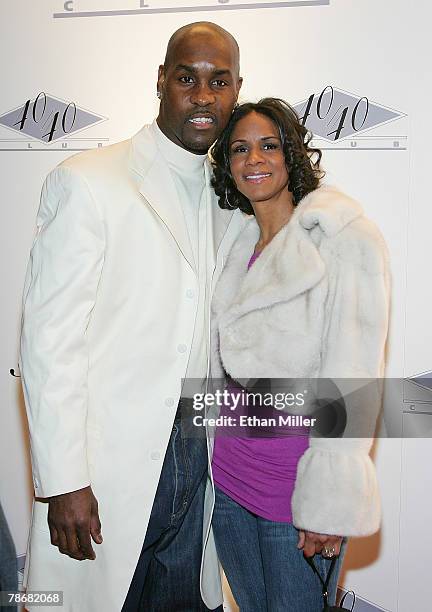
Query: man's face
point(199, 88)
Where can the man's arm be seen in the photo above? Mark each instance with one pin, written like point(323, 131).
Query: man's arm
point(72, 519)
point(59, 295)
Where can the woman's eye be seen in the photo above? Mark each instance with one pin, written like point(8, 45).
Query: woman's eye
point(270, 145)
point(239, 149)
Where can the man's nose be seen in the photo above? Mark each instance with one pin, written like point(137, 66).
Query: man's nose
point(202, 95)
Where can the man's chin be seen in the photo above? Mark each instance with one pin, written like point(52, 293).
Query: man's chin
point(199, 143)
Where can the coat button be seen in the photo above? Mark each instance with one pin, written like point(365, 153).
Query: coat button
point(182, 348)
point(189, 293)
point(155, 455)
point(169, 401)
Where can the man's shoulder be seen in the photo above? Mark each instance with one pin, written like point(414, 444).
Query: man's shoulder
point(95, 171)
point(113, 161)
point(98, 162)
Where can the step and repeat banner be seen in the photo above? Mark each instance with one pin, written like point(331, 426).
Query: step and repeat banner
point(81, 74)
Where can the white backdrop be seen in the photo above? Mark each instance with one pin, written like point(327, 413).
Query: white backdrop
point(106, 63)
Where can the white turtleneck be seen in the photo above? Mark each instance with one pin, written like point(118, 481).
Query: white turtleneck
point(189, 177)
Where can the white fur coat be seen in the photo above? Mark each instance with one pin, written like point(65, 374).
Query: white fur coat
point(314, 305)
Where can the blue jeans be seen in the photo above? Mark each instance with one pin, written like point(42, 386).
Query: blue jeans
point(167, 576)
point(264, 568)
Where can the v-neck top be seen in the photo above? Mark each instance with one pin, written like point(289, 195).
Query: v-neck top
point(259, 473)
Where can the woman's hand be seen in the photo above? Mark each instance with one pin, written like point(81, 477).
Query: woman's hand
point(319, 543)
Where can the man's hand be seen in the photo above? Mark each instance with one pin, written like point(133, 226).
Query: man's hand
point(312, 543)
point(72, 519)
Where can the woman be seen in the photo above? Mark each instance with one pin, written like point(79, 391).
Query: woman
point(303, 295)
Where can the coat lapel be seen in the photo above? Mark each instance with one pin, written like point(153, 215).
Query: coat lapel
point(157, 187)
point(220, 218)
point(290, 265)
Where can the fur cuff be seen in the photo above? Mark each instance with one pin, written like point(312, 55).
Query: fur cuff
point(336, 493)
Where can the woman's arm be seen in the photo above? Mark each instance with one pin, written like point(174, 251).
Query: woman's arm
point(336, 489)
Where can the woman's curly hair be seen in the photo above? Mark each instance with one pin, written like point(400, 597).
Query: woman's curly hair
point(302, 161)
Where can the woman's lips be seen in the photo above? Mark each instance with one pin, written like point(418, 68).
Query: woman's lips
point(256, 179)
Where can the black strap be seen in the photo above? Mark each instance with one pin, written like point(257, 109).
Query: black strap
point(345, 596)
point(324, 583)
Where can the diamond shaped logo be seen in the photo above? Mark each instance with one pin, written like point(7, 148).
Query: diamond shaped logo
point(334, 114)
point(423, 380)
point(49, 119)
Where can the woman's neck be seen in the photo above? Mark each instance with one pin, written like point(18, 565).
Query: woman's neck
point(271, 216)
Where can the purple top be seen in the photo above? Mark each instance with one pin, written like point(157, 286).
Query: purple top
point(259, 473)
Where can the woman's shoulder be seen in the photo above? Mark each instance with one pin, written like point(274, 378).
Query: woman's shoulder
point(329, 208)
point(361, 242)
point(347, 231)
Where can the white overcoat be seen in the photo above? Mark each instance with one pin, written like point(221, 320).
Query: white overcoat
point(314, 305)
point(109, 307)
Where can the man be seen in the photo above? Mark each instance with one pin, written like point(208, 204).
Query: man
point(8, 561)
point(130, 243)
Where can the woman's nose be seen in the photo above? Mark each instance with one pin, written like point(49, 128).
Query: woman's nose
point(254, 157)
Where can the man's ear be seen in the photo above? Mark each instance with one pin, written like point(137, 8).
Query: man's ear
point(239, 84)
point(161, 77)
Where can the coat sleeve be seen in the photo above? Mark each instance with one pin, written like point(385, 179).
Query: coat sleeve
point(336, 489)
point(59, 294)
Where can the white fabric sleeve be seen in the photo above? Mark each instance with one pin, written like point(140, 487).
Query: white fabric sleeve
point(60, 289)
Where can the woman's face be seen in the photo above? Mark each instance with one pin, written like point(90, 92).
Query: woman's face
point(257, 161)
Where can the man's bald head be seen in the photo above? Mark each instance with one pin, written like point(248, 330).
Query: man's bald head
point(193, 32)
point(198, 85)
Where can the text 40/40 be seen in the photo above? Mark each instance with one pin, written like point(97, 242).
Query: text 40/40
point(322, 116)
point(35, 112)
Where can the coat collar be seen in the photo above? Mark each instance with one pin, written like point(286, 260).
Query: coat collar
point(329, 209)
point(291, 264)
point(158, 189)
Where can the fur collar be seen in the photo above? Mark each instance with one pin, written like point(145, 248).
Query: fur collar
point(291, 264)
point(328, 208)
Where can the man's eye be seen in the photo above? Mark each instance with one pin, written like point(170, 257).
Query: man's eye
point(186, 79)
point(220, 83)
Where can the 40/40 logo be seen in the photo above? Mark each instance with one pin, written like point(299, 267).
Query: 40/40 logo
point(334, 114)
point(48, 119)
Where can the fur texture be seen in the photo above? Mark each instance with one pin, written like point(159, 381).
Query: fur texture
point(315, 306)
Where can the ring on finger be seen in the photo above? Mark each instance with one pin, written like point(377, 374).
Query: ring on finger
point(329, 552)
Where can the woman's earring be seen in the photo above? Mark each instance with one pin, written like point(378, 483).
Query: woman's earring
point(159, 95)
point(227, 199)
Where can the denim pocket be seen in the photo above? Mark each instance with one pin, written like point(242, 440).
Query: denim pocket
point(181, 472)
